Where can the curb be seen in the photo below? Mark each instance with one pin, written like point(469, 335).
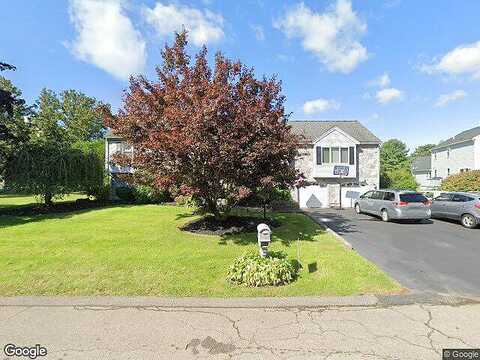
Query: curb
point(117, 302)
point(329, 230)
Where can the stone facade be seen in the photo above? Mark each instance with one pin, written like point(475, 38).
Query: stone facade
point(305, 161)
point(368, 165)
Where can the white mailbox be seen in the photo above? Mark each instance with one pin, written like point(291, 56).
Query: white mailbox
point(264, 238)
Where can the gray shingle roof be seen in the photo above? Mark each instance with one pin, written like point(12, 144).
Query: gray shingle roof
point(110, 135)
point(461, 137)
point(314, 129)
point(423, 163)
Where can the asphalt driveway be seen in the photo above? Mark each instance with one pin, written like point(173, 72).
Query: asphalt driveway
point(439, 256)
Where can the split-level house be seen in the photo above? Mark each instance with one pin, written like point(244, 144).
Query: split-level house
point(326, 147)
point(334, 154)
point(457, 154)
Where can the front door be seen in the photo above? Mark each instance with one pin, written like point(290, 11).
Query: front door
point(333, 195)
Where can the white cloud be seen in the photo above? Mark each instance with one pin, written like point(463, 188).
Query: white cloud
point(258, 31)
point(333, 36)
point(106, 37)
point(385, 96)
point(382, 81)
point(203, 26)
point(463, 60)
point(447, 98)
point(320, 105)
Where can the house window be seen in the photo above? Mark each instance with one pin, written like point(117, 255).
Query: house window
point(335, 155)
point(338, 155)
point(344, 155)
point(448, 153)
point(435, 173)
point(448, 172)
point(326, 155)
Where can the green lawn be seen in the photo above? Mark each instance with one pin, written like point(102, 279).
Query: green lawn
point(138, 250)
point(15, 200)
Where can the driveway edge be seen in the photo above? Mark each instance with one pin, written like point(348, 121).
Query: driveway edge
point(329, 229)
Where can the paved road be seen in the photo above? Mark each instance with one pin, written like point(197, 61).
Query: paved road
point(151, 332)
point(437, 255)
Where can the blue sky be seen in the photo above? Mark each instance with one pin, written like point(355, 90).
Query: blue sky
point(406, 69)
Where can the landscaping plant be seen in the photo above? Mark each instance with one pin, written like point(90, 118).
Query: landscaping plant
point(218, 134)
point(253, 270)
point(465, 181)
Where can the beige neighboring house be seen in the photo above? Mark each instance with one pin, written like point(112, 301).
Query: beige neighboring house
point(330, 146)
point(457, 154)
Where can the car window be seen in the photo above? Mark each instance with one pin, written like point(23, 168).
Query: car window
point(367, 195)
point(443, 197)
point(377, 195)
point(413, 198)
point(389, 196)
point(461, 198)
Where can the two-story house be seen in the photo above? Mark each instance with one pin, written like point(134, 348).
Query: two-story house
point(335, 153)
point(457, 154)
point(422, 171)
point(331, 152)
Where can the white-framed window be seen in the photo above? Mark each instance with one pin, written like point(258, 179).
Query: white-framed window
point(448, 153)
point(336, 155)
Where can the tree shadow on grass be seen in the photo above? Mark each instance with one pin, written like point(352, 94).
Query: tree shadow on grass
point(16, 219)
point(294, 227)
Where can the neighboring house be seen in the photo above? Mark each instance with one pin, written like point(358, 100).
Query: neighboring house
point(457, 154)
point(326, 145)
point(116, 145)
point(422, 171)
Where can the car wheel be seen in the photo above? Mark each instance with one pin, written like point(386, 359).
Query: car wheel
point(357, 209)
point(385, 216)
point(469, 221)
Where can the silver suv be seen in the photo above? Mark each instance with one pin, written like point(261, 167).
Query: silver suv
point(458, 206)
point(394, 204)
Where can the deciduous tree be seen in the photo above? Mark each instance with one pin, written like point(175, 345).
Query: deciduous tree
point(218, 134)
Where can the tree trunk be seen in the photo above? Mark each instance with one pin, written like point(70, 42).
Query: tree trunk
point(48, 199)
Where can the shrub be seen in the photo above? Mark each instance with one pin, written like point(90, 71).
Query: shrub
point(144, 194)
point(125, 193)
point(100, 193)
point(466, 181)
point(398, 179)
point(253, 270)
point(185, 200)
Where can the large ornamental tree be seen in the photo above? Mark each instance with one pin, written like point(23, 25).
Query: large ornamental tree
point(217, 134)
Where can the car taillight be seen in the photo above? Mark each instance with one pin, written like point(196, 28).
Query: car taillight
point(477, 205)
point(401, 203)
point(427, 202)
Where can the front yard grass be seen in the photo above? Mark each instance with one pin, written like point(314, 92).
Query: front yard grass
point(139, 250)
point(12, 200)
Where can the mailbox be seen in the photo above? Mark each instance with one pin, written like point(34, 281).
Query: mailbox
point(264, 238)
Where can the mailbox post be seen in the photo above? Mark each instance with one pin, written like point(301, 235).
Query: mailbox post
point(264, 238)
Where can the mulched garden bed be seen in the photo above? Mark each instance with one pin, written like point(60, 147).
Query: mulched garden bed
point(231, 225)
point(61, 207)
